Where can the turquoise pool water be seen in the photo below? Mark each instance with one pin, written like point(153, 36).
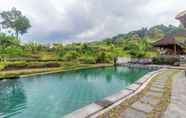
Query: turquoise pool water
point(55, 95)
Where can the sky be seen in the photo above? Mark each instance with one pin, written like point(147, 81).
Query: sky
point(67, 21)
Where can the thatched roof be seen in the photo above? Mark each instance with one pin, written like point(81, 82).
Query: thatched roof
point(167, 41)
point(182, 18)
point(181, 15)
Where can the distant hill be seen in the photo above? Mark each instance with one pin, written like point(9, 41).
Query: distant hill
point(152, 34)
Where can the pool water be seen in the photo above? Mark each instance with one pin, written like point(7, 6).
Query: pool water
point(55, 95)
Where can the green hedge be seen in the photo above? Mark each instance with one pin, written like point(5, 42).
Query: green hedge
point(28, 65)
point(166, 60)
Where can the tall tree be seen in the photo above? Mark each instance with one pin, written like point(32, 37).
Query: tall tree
point(14, 20)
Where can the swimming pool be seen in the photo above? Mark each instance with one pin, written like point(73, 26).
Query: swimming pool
point(55, 95)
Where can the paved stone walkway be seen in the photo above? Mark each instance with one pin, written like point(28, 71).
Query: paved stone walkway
point(177, 107)
point(145, 106)
point(154, 101)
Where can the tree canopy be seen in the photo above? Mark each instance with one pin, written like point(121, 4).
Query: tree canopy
point(14, 20)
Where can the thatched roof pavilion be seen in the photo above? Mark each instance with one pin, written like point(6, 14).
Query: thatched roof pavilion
point(182, 18)
point(170, 45)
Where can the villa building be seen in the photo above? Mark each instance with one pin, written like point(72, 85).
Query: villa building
point(168, 45)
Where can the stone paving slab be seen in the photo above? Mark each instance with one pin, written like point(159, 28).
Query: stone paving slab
point(131, 113)
point(118, 96)
point(158, 86)
point(150, 100)
point(154, 94)
point(133, 87)
point(104, 103)
point(162, 80)
point(159, 82)
point(139, 106)
point(143, 79)
point(156, 89)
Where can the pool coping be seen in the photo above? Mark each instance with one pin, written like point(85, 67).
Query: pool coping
point(97, 108)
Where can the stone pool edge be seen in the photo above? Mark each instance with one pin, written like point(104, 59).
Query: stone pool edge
point(97, 108)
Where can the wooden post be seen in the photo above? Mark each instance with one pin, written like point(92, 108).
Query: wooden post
point(174, 49)
point(174, 46)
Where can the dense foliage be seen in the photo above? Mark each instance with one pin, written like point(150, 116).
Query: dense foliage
point(134, 44)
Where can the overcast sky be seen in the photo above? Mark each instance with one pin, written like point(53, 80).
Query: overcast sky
point(87, 20)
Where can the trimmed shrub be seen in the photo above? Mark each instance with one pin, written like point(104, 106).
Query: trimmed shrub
point(166, 60)
point(15, 65)
point(29, 65)
point(43, 65)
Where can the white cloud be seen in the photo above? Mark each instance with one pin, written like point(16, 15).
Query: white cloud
point(87, 20)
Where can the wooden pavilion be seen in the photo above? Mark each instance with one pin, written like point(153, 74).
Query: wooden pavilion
point(169, 45)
